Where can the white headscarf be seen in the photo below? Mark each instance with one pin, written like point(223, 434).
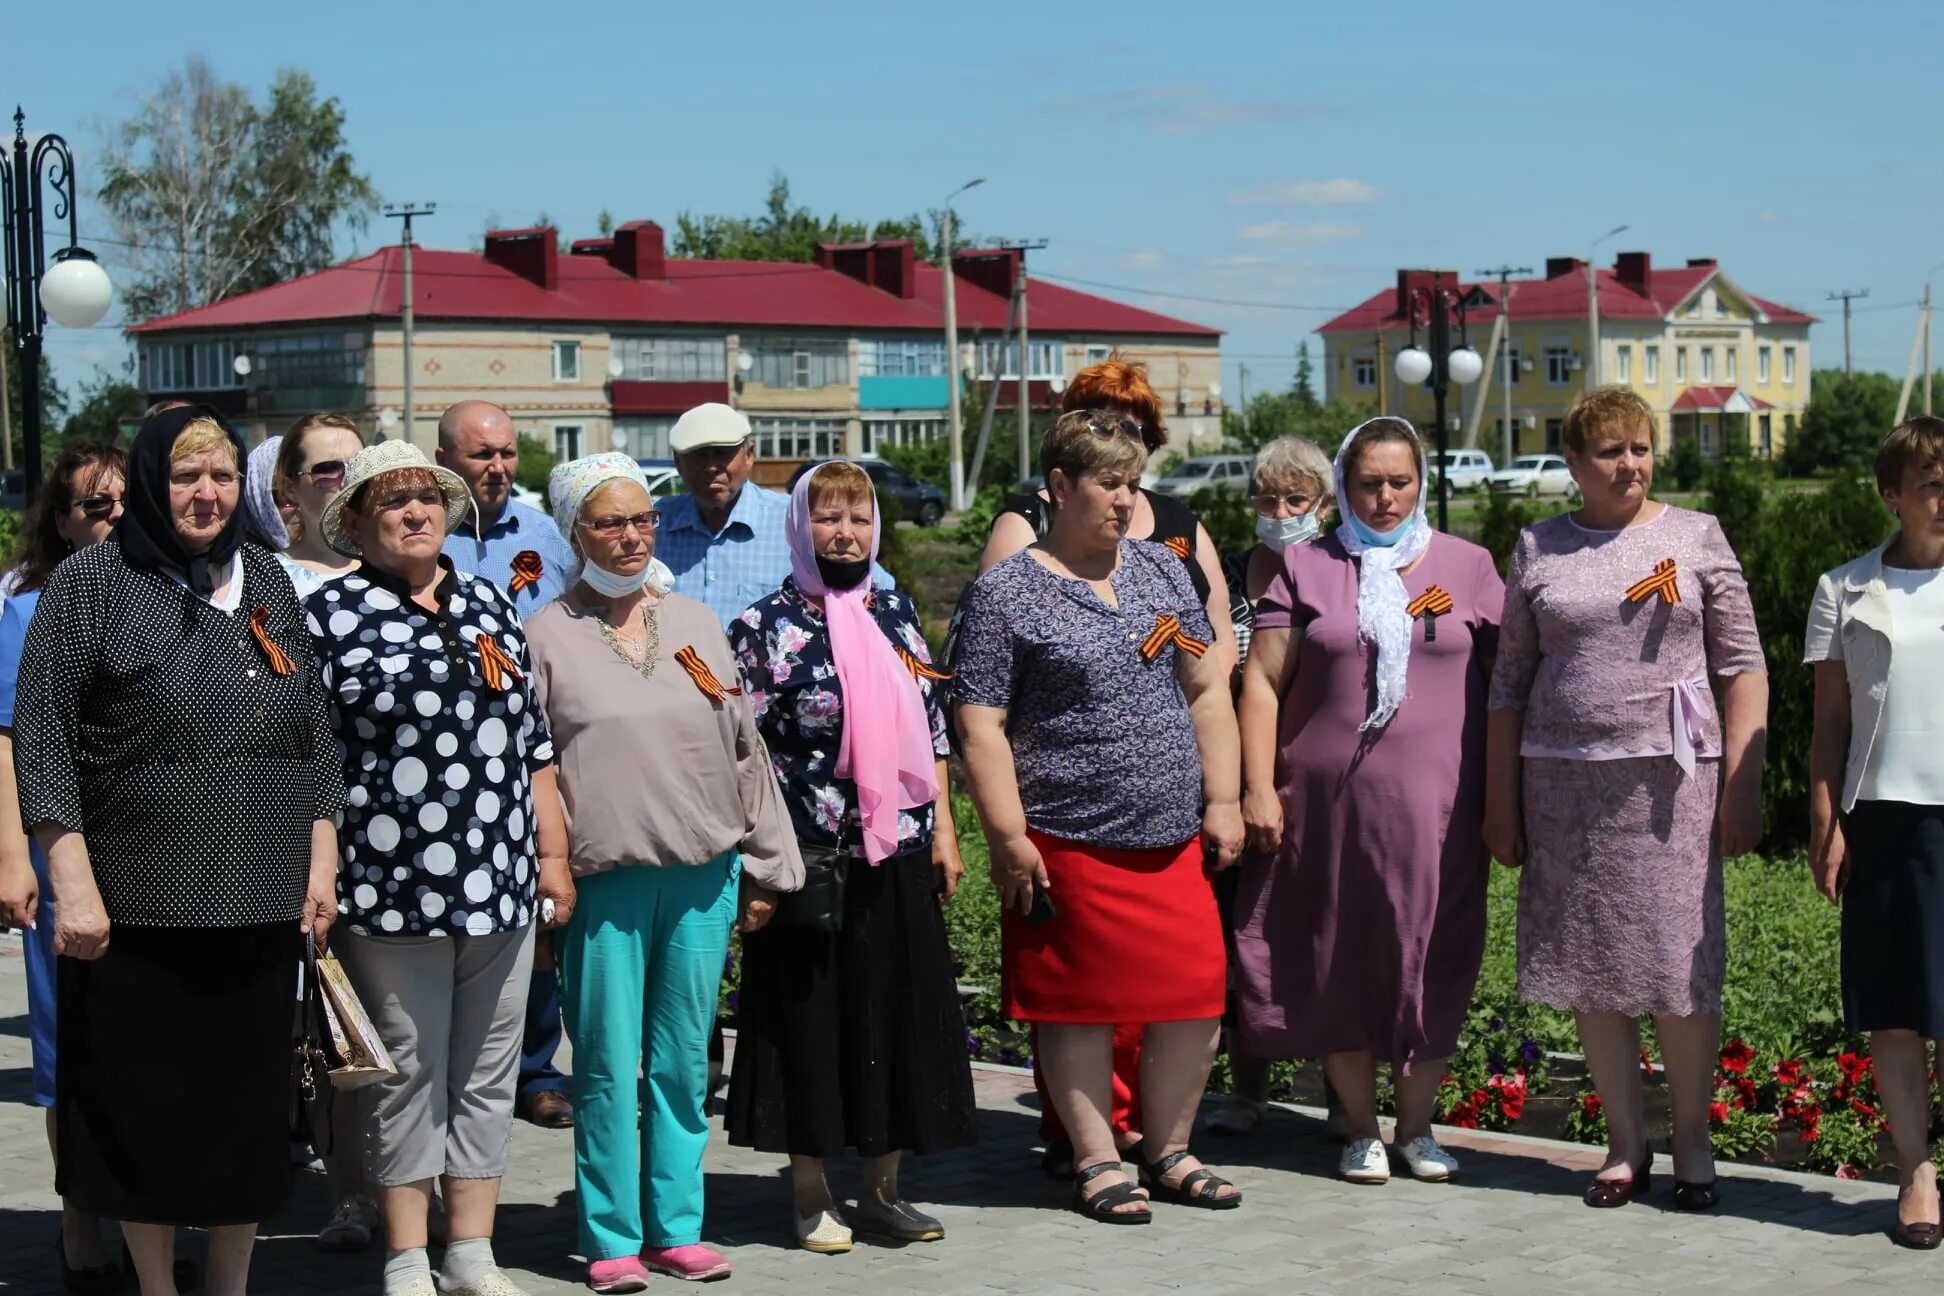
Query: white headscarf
point(1383, 618)
point(568, 487)
point(259, 497)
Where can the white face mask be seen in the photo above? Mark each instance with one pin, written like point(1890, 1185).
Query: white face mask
point(615, 585)
point(1282, 533)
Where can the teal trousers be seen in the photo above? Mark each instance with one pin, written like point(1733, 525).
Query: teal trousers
point(640, 963)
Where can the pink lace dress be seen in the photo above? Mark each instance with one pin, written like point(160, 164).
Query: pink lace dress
point(1609, 652)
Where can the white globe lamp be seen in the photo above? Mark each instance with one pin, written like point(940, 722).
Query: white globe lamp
point(1413, 365)
point(1465, 366)
point(75, 291)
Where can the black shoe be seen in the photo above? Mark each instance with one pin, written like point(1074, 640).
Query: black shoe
point(89, 1280)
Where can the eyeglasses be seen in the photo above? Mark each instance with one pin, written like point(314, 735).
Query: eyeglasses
point(1298, 503)
point(609, 528)
point(1112, 427)
point(97, 507)
point(326, 470)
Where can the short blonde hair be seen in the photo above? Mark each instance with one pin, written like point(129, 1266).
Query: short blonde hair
point(1604, 412)
point(1293, 456)
point(839, 479)
point(1076, 448)
point(202, 436)
point(1914, 443)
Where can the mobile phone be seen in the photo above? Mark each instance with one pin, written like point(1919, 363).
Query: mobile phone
point(1042, 911)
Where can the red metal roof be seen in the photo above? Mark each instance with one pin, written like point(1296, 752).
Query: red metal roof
point(736, 294)
point(1562, 297)
point(1709, 400)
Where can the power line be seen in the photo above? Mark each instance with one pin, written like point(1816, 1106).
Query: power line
point(1175, 296)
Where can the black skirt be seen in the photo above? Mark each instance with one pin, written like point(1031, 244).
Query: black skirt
point(854, 1039)
point(172, 1098)
point(1893, 918)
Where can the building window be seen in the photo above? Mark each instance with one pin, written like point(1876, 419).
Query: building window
point(1048, 360)
point(566, 361)
point(798, 438)
point(1762, 365)
point(801, 362)
point(1710, 448)
point(1768, 436)
point(1707, 364)
point(1680, 364)
point(1623, 363)
point(567, 440)
point(285, 362)
point(1553, 440)
point(1363, 373)
point(879, 433)
point(901, 358)
point(1559, 366)
point(671, 359)
point(1650, 365)
point(644, 438)
point(1788, 366)
point(1731, 362)
point(1097, 353)
point(1511, 358)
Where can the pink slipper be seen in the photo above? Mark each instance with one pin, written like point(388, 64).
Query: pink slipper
point(692, 1263)
point(624, 1274)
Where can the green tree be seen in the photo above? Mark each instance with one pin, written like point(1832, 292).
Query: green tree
point(783, 232)
point(1847, 418)
point(1279, 414)
point(216, 195)
point(536, 461)
point(109, 403)
point(53, 399)
point(1303, 391)
point(604, 222)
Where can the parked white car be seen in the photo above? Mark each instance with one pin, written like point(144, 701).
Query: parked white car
point(1464, 470)
point(1533, 475)
point(1226, 472)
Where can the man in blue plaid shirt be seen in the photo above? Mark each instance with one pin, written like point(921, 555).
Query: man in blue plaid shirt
point(724, 539)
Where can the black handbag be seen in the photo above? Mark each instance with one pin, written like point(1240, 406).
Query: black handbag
point(311, 1091)
point(818, 905)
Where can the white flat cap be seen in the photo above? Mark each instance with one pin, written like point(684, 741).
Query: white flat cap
point(713, 424)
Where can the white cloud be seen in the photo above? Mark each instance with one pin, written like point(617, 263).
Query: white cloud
point(1291, 234)
point(1187, 108)
point(1145, 259)
point(1236, 262)
point(1770, 217)
point(1311, 193)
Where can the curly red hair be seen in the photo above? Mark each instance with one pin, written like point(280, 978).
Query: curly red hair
point(1115, 383)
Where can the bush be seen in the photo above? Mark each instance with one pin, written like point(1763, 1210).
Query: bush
point(536, 461)
point(1228, 517)
point(1685, 465)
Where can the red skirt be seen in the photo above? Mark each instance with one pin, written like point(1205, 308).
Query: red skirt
point(1135, 938)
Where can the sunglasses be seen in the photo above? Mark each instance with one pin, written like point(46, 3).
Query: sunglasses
point(326, 470)
point(1113, 427)
point(1298, 503)
point(97, 507)
point(609, 528)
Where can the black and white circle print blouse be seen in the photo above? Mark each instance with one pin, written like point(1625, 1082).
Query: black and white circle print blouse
point(440, 737)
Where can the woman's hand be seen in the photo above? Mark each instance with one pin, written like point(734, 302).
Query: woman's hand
point(1741, 821)
point(80, 923)
point(757, 904)
point(1222, 833)
point(19, 893)
point(557, 885)
point(945, 858)
point(1262, 819)
point(320, 902)
point(1829, 863)
point(1504, 830)
point(1016, 869)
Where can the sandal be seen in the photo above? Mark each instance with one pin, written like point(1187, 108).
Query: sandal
point(1100, 1206)
point(1197, 1188)
point(1057, 1161)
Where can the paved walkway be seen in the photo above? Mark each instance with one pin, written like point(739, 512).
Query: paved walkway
point(1513, 1224)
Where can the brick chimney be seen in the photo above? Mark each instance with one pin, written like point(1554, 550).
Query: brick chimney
point(892, 268)
point(993, 269)
point(1409, 280)
point(532, 254)
point(599, 247)
point(639, 251)
point(1557, 266)
point(1634, 270)
point(1700, 263)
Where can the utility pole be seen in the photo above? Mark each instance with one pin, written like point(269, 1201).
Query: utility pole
point(1927, 349)
point(1505, 273)
point(1593, 306)
point(1846, 296)
point(954, 416)
point(1025, 382)
point(1919, 346)
point(1244, 374)
point(1383, 378)
point(405, 212)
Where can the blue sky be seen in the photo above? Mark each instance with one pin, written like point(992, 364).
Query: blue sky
point(1280, 153)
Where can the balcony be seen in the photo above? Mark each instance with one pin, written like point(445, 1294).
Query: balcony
point(901, 393)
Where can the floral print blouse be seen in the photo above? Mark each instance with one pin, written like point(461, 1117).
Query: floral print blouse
point(783, 649)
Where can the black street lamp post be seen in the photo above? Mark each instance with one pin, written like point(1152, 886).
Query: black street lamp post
point(74, 292)
point(1432, 309)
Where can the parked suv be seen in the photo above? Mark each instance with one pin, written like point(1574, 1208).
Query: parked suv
point(1533, 475)
point(1228, 472)
point(919, 502)
point(1464, 470)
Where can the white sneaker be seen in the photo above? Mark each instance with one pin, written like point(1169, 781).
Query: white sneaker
point(823, 1232)
point(493, 1282)
point(1365, 1162)
point(1427, 1160)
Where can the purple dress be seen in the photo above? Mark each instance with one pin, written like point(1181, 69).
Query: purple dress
point(1620, 905)
point(1365, 932)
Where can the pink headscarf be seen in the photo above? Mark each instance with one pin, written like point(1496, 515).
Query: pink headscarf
point(892, 763)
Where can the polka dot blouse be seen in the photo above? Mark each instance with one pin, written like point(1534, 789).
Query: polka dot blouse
point(159, 728)
point(437, 831)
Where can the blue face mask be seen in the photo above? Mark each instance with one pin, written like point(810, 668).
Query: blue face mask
point(1381, 539)
point(1286, 533)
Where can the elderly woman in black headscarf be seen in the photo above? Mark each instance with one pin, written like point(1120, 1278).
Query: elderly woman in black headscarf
point(176, 766)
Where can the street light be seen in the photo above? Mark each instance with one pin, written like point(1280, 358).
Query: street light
point(1593, 306)
point(74, 292)
point(954, 423)
point(1438, 362)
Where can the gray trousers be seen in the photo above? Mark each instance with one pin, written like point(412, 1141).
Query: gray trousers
point(451, 1010)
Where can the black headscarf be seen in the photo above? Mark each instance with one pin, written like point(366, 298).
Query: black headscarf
point(147, 532)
